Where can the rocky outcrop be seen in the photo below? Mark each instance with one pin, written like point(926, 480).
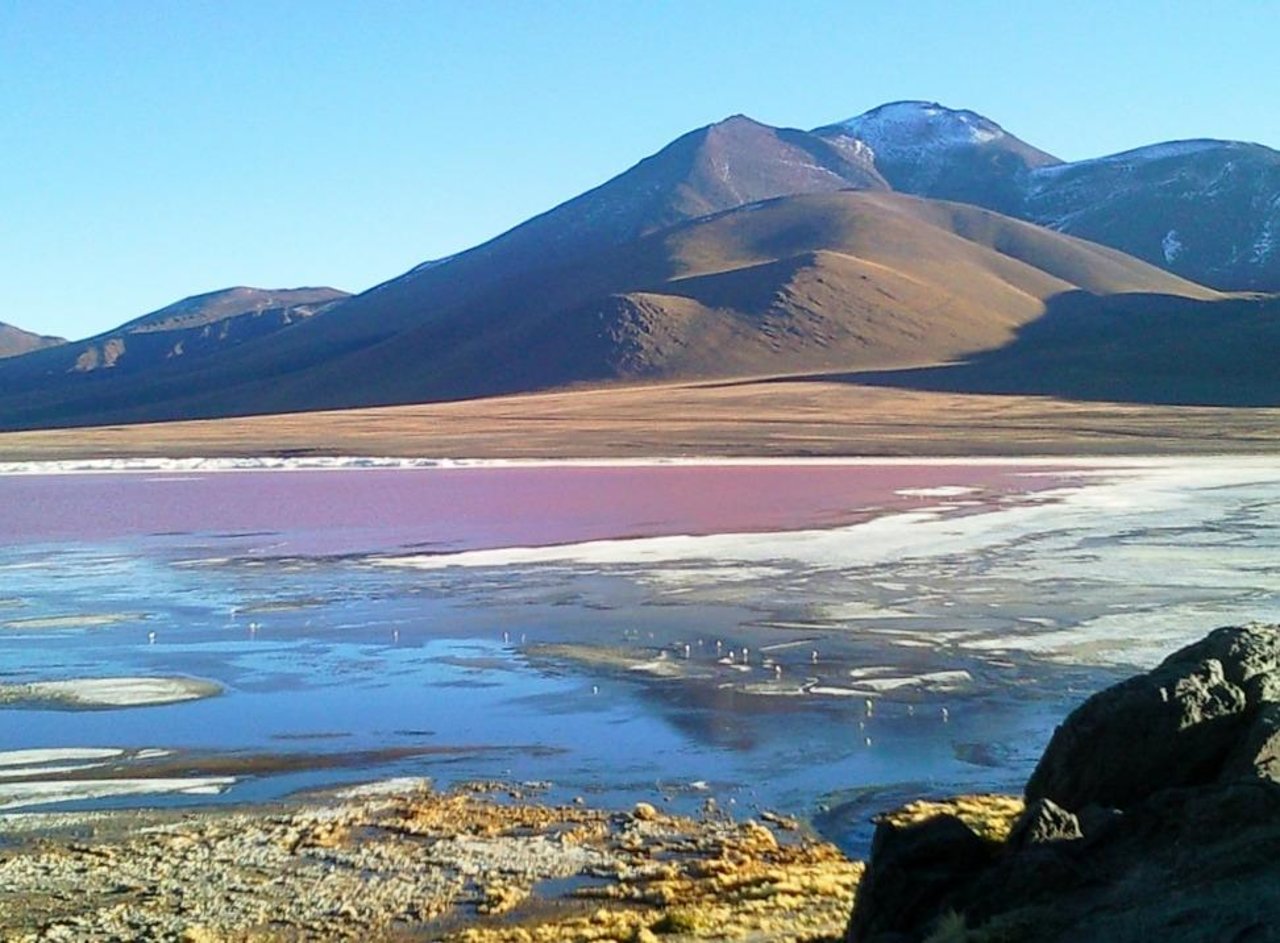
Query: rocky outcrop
point(1154, 813)
point(1175, 726)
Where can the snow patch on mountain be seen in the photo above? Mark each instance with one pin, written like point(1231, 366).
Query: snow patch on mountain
point(1133, 159)
point(857, 150)
point(906, 127)
point(1265, 244)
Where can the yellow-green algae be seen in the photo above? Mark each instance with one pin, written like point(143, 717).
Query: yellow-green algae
point(991, 816)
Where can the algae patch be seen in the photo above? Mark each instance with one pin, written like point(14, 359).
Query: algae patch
point(989, 816)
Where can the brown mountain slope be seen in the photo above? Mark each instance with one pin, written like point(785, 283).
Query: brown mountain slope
point(838, 281)
point(721, 166)
point(861, 280)
point(14, 341)
point(718, 167)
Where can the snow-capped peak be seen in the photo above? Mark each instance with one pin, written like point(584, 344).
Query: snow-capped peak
point(917, 125)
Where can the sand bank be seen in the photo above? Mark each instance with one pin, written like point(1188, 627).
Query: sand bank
point(43, 792)
point(87, 620)
point(103, 693)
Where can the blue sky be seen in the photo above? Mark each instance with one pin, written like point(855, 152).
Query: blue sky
point(153, 150)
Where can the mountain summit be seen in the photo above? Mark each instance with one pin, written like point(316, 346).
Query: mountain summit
point(715, 168)
point(910, 128)
point(928, 149)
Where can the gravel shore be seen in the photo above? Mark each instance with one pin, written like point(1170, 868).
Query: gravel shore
point(399, 861)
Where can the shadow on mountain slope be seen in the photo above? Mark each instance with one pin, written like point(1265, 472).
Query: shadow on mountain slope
point(1129, 348)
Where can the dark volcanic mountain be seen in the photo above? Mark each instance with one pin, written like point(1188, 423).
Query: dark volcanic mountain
point(15, 341)
point(1208, 210)
point(184, 331)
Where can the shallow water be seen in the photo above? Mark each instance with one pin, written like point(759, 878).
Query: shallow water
point(341, 647)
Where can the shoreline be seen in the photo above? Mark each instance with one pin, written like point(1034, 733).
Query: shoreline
point(224, 464)
point(480, 863)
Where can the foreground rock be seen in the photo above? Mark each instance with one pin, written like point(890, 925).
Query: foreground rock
point(1153, 814)
point(408, 863)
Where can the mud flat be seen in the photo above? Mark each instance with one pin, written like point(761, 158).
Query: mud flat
point(106, 693)
point(400, 861)
point(85, 621)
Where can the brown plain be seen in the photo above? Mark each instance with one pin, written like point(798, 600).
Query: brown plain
point(762, 417)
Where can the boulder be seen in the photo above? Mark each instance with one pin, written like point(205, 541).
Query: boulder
point(913, 868)
point(1043, 821)
point(1174, 726)
point(1170, 780)
point(1258, 751)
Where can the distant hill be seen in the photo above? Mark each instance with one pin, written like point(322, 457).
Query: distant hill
point(15, 341)
point(1209, 210)
point(184, 331)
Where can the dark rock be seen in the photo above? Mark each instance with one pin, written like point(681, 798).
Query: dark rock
point(1043, 821)
point(914, 870)
point(1175, 779)
point(1096, 821)
point(1245, 652)
point(1263, 689)
point(1174, 726)
point(1258, 752)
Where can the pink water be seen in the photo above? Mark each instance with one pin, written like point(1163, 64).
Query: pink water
point(363, 510)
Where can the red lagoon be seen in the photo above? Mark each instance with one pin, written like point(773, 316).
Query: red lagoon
point(486, 507)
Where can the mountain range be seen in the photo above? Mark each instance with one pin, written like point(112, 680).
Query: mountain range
point(1206, 210)
point(185, 330)
point(907, 238)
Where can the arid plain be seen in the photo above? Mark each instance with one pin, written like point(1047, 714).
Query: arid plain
point(783, 416)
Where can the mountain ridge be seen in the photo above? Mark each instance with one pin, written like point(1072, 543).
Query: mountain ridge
point(610, 286)
point(192, 327)
point(14, 341)
point(1206, 209)
point(829, 281)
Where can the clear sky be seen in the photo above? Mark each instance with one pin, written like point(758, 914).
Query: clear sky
point(153, 150)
